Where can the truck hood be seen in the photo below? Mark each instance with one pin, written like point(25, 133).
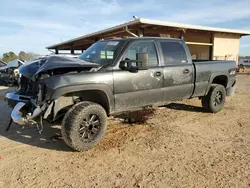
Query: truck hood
point(32, 69)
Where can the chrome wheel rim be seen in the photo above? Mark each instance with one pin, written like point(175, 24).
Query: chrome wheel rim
point(218, 98)
point(89, 127)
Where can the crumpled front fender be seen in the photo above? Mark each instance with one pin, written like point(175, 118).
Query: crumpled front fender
point(57, 105)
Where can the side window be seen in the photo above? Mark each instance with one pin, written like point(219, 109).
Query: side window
point(173, 53)
point(142, 47)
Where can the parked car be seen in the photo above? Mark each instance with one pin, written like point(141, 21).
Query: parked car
point(113, 77)
point(9, 73)
point(244, 62)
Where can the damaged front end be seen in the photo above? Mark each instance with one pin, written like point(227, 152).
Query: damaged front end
point(27, 109)
point(30, 103)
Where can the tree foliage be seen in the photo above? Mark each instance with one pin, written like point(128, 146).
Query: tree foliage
point(10, 56)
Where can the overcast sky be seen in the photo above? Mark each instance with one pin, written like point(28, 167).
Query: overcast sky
point(31, 25)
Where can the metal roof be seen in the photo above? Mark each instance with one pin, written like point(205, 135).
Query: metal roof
point(143, 21)
point(195, 27)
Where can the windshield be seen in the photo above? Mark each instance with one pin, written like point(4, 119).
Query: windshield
point(102, 52)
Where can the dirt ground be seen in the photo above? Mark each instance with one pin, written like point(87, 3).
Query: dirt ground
point(179, 146)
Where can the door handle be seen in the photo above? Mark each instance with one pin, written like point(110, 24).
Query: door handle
point(186, 71)
point(157, 74)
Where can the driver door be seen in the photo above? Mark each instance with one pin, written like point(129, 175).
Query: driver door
point(142, 88)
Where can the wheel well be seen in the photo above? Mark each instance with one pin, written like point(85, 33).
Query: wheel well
point(222, 80)
point(96, 96)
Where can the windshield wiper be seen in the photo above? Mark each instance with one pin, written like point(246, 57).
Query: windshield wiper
point(89, 60)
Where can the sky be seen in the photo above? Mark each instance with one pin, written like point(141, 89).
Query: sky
point(31, 25)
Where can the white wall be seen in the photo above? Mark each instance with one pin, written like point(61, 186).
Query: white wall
point(199, 51)
point(226, 47)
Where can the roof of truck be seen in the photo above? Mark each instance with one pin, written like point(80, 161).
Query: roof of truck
point(143, 38)
point(140, 23)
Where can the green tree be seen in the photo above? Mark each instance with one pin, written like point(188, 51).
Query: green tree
point(9, 56)
point(22, 55)
point(25, 56)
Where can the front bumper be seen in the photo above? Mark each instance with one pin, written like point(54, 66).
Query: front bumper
point(16, 114)
point(20, 104)
point(13, 98)
point(21, 118)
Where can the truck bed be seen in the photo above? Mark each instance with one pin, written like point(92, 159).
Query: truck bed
point(207, 70)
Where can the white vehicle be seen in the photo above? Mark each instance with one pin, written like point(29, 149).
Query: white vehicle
point(244, 62)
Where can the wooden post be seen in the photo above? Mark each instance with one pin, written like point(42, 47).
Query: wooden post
point(211, 47)
point(139, 32)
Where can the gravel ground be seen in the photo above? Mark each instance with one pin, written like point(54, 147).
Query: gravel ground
point(179, 146)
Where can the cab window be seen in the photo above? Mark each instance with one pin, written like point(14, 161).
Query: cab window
point(173, 53)
point(142, 47)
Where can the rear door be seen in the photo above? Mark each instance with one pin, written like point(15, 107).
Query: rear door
point(139, 89)
point(178, 70)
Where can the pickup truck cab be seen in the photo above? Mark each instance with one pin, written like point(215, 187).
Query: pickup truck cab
point(116, 76)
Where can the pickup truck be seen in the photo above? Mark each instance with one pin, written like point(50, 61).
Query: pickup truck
point(113, 77)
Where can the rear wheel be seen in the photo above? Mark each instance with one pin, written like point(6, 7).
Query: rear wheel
point(84, 125)
point(215, 99)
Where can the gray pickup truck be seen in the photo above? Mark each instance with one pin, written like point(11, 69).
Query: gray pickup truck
point(113, 77)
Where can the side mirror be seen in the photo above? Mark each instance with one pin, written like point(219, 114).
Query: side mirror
point(142, 58)
point(141, 63)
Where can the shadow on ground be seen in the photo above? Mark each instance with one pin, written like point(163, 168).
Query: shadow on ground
point(185, 107)
point(51, 136)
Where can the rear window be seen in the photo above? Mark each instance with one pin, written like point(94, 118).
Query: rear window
point(173, 53)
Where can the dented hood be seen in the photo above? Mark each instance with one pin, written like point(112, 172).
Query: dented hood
point(33, 68)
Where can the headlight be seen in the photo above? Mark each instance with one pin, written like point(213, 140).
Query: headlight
point(232, 72)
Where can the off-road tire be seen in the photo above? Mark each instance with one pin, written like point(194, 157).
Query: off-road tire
point(210, 103)
point(73, 120)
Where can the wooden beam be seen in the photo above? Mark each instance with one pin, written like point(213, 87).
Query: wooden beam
point(87, 41)
point(144, 26)
point(200, 43)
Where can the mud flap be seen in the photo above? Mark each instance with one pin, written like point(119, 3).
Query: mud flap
point(231, 91)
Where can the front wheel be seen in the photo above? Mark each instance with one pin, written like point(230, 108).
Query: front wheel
point(215, 99)
point(84, 125)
